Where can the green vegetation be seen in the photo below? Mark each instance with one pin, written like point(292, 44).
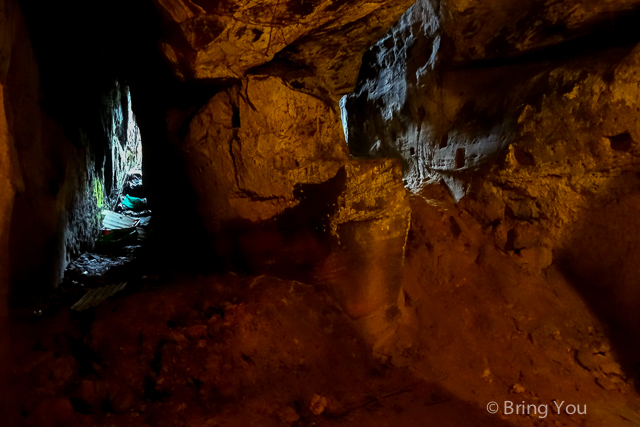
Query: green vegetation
point(98, 193)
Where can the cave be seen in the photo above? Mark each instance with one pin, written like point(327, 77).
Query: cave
point(409, 212)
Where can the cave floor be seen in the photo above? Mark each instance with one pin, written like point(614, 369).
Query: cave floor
point(223, 350)
point(177, 348)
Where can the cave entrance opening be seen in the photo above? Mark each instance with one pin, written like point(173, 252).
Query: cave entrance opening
point(123, 172)
point(124, 217)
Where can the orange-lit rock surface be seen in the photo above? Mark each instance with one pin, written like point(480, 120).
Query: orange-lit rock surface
point(368, 234)
point(485, 29)
point(254, 149)
point(476, 241)
point(503, 323)
point(251, 145)
point(520, 148)
point(208, 40)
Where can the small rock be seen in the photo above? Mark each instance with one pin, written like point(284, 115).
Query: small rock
point(196, 331)
point(608, 365)
point(517, 388)
point(586, 360)
point(56, 412)
point(289, 415)
point(318, 403)
point(600, 347)
point(606, 384)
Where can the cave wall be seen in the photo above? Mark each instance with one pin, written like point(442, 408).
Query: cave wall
point(8, 184)
point(57, 175)
point(55, 213)
point(237, 139)
point(68, 110)
point(517, 130)
point(263, 149)
point(123, 136)
point(51, 176)
point(512, 126)
point(446, 94)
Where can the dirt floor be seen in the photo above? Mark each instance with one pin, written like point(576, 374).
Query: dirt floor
point(479, 324)
point(214, 351)
point(488, 324)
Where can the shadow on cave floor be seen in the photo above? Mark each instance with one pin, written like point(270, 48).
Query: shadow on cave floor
point(218, 350)
point(606, 298)
point(601, 262)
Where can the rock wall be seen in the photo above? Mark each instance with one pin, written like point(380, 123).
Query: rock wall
point(57, 182)
point(522, 119)
point(513, 264)
point(207, 40)
point(8, 185)
point(276, 187)
point(51, 181)
point(68, 109)
point(445, 93)
point(123, 135)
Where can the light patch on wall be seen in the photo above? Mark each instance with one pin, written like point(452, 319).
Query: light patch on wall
point(126, 144)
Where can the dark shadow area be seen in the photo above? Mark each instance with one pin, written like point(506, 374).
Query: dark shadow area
point(602, 260)
point(291, 244)
point(619, 30)
point(84, 51)
point(247, 350)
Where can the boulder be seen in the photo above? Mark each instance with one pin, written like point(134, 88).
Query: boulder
point(272, 171)
point(251, 144)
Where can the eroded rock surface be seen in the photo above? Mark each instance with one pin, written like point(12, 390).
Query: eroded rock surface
point(369, 231)
point(272, 133)
point(225, 39)
point(522, 154)
point(445, 113)
point(252, 153)
point(505, 324)
point(251, 144)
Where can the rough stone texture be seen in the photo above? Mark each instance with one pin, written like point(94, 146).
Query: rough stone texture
point(369, 229)
point(10, 181)
point(521, 287)
point(254, 150)
point(272, 133)
point(251, 144)
point(324, 64)
point(413, 102)
point(221, 350)
point(54, 212)
point(503, 28)
point(225, 39)
point(123, 135)
point(524, 160)
point(490, 323)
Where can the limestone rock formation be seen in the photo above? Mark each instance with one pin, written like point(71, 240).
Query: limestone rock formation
point(273, 132)
point(369, 231)
point(534, 136)
point(251, 153)
point(251, 144)
point(209, 40)
point(509, 274)
point(504, 28)
point(423, 98)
